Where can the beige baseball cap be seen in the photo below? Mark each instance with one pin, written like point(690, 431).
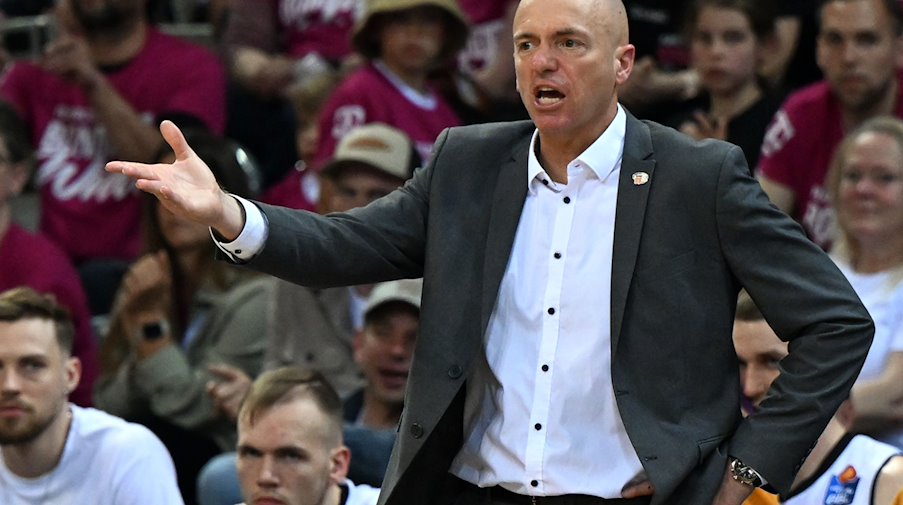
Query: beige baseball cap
point(383, 147)
point(402, 290)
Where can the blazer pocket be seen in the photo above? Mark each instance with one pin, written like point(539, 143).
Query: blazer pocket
point(667, 268)
point(708, 445)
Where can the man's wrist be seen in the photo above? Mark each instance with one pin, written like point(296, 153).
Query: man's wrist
point(251, 237)
point(231, 228)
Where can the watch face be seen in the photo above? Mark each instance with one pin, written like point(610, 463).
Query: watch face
point(744, 474)
point(152, 331)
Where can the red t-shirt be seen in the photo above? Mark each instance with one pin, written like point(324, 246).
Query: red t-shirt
point(88, 212)
point(317, 26)
point(367, 96)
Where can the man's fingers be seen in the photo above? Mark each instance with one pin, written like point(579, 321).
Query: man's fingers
point(644, 488)
point(173, 136)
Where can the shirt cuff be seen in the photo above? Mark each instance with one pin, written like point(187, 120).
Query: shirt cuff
point(252, 237)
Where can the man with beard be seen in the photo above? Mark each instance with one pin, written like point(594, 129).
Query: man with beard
point(54, 452)
point(95, 94)
point(860, 52)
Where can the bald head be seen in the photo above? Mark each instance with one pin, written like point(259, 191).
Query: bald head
point(610, 16)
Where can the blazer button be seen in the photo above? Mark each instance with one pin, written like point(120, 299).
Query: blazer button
point(416, 430)
point(455, 371)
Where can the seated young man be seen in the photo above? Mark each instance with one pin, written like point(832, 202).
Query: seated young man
point(48, 445)
point(383, 349)
point(290, 446)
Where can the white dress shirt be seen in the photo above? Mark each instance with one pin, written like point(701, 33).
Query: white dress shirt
point(540, 415)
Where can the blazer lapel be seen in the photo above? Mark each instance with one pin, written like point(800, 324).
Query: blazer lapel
point(629, 215)
point(507, 204)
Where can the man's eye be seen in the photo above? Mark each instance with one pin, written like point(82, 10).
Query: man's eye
point(524, 46)
point(291, 456)
point(570, 43)
point(868, 39)
point(33, 366)
point(248, 453)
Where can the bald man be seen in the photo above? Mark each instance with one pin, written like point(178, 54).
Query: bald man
point(580, 279)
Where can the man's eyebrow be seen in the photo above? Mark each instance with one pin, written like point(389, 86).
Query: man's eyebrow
point(33, 356)
point(290, 449)
point(558, 33)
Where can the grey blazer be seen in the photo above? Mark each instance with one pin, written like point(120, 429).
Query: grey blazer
point(684, 244)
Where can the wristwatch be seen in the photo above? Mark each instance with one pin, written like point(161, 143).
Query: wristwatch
point(744, 474)
point(155, 330)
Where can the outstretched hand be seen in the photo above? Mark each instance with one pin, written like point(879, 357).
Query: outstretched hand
point(187, 187)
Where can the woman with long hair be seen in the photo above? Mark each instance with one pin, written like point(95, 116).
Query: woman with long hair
point(178, 310)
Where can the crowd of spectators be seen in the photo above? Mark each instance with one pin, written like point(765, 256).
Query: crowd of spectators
point(326, 105)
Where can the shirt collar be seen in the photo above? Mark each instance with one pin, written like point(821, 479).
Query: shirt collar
point(602, 157)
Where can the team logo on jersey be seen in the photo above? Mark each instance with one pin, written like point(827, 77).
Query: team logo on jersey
point(842, 488)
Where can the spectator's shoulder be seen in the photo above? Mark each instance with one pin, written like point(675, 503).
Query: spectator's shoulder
point(808, 100)
point(362, 81)
point(182, 50)
point(113, 434)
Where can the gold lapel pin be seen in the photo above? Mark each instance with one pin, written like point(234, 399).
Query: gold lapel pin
point(640, 178)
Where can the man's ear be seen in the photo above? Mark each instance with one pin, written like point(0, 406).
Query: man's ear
point(339, 461)
point(73, 373)
point(624, 57)
point(357, 344)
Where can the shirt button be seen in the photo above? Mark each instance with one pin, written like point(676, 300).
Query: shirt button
point(534, 483)
point(545, 368)
point(551, 311)
point(537, 426)
point(545, 181)
point(557, 255)
point(567, 199)
point(238, 251)
point(416, 430)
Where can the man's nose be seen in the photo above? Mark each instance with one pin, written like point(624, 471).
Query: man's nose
point(754, 386)
point(544, 59)
point(267, 476)
point(850, 53)
point(9, 381)
point(401, 347)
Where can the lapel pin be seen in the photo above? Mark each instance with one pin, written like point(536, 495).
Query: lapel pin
point(640, 178)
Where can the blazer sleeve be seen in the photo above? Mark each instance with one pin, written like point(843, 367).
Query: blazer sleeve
point(810, 304)
point(383, 241)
